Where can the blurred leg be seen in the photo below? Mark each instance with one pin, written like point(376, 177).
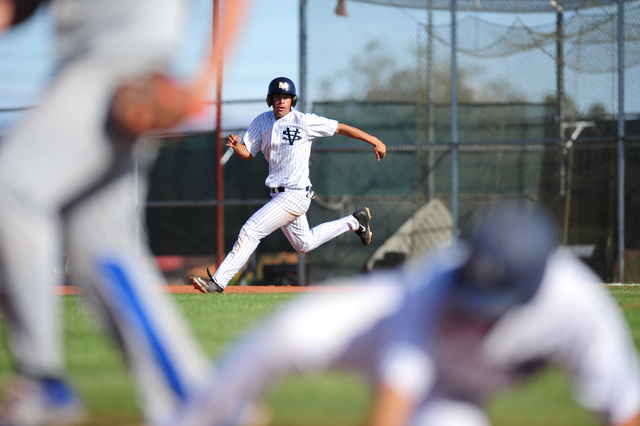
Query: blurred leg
point(121, 282)
point(41, 167)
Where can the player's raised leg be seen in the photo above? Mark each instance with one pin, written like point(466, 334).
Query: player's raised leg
point(304, 239)
point(281, 210)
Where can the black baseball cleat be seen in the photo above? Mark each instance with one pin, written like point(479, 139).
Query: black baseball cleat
point(364, 216)
point(209, 286)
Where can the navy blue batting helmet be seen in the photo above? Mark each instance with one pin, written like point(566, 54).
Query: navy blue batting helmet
point(282, 85)
point(507, 259)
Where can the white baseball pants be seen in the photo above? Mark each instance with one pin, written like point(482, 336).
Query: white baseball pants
point(287, 210)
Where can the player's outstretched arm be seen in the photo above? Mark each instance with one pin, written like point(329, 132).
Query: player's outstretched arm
point(379, 148)
point(233, 142)
point(390, 408)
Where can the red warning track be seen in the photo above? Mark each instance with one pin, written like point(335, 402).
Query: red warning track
point(180, 289)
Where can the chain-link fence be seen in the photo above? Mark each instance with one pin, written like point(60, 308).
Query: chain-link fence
point(532, 51)
point(409, 192)
point(394, 192)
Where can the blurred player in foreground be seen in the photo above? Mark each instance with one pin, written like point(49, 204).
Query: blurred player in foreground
point(441, 337)
point(284, 136)
point(67, 182)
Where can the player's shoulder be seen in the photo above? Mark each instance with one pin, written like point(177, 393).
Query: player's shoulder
point(568, 281)
point(296, 117)
point(565, 268)
point(265, 118)
point(306, 116)
point(434, 265)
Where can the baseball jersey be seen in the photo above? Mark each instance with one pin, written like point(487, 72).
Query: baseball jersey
point(398, 331)
point(571, 323)
point(286, 144)
point(394, 328)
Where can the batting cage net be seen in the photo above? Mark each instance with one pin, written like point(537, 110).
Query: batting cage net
point(538, 101)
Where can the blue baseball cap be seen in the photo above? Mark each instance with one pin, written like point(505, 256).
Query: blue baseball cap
point(507, 258)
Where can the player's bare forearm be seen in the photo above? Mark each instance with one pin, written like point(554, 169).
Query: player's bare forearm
point(233, 142)
point(379, 148)
point(390, 408)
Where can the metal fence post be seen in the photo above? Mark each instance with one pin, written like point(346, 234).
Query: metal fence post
point(620, 139)
point(454, 126)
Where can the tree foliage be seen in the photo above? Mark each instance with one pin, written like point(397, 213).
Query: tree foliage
point(374, 75)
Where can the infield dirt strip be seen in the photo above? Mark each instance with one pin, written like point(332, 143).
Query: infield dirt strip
point(181, 289)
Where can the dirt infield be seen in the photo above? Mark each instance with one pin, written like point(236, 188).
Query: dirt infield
point(180, 289)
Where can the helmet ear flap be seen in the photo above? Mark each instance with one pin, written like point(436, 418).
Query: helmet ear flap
point(269, 101)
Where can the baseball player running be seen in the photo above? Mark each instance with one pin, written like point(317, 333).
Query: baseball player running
point(439, 338)
point(284, 136)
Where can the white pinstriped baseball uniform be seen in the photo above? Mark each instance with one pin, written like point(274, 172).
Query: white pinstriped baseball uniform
point(286, 144)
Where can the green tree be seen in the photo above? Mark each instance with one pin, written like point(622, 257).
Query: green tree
point(374, 76)
point(597, 109)
point(571, 110)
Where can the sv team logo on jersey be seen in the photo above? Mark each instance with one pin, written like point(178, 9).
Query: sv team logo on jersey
point(292, 134)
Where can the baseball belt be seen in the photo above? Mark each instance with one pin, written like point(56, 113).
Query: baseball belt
point(283, 189)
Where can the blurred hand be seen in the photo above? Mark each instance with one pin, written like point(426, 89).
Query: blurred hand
point(151, 102)
point(7, 10)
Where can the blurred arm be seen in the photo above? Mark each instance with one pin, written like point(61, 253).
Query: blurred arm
point(635, 421)
point(391, 408)
point(407, 373)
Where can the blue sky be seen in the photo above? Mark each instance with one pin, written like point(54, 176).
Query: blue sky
point(267, 47)
point(255, 58)
point(28, 61)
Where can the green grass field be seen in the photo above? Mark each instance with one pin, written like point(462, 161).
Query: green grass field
point(98, 371)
